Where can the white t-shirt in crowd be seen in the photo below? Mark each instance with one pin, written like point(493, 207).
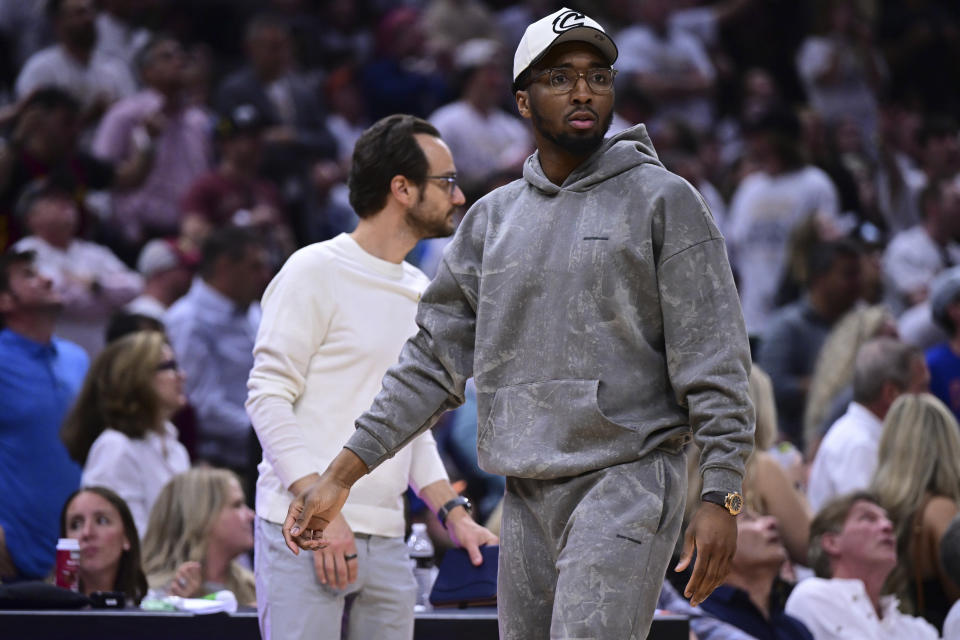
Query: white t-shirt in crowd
point(847, 457)
point(763, 212)
point(482, 144)
point(840, 609)
point(136, 469)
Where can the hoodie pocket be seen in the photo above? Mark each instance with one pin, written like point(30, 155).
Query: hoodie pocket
point(553, 429)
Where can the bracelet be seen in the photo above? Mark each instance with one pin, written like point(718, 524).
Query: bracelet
point(459, 501)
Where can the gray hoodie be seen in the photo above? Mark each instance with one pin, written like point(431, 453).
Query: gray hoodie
point(599, 319)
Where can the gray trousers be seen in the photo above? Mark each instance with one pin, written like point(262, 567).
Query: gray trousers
point(585, 557)
point(293, 605)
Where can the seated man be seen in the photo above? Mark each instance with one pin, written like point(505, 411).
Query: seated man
point(883, 370)
point(852, 551)
point(747, 599)
point(702, 625)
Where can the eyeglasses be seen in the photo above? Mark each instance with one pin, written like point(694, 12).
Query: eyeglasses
point(168, 365)
point(450, 180)
point(562, 80)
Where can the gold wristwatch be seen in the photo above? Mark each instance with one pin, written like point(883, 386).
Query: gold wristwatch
point(732, 502)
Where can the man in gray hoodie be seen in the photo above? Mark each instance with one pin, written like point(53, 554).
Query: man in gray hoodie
point(593, 303)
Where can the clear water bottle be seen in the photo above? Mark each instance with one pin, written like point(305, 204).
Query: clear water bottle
point(421, 556)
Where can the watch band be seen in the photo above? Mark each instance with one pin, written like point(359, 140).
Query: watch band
point(732, 502)
point(459, 501)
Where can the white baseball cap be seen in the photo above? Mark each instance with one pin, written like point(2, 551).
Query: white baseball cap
point(565, 25)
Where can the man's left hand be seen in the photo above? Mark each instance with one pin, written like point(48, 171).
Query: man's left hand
point(466, 533)
point(713, 532)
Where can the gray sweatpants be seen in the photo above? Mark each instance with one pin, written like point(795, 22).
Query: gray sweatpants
point(293, 605)
point(585, 557)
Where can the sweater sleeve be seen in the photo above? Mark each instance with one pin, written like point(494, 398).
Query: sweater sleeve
point(285, 343)
point(426, 467)
point(435, 364)
point(708, 355)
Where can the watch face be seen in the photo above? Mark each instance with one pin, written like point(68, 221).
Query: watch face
point(734, 503)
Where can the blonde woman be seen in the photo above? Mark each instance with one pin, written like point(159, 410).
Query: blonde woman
point(833, 373)
point(199, 524)
point(918, 482)
point(119, 428)
point(768, 487)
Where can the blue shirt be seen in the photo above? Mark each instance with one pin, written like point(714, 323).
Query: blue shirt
point(944, 368)
point(733, 605)
point(213, 340)
point(704, 625)
point(38, 384)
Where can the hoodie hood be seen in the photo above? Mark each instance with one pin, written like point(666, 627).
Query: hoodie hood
point(618, 153)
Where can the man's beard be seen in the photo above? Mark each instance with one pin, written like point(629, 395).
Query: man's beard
point(426, 228)
point(578, 146)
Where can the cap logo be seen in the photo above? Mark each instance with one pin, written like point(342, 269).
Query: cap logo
point(567, 21)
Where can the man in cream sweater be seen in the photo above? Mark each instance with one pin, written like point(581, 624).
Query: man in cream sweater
point(334, 318)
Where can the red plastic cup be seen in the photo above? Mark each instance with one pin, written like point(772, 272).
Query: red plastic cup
point(68, 564)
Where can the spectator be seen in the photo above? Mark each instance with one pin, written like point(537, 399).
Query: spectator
point(793, 338)
point(347, 118)
point(335, 318)
point(402, 77)
point(748, 599)
point(166, 272)
point(847, 457)
point(118, 34)
point(950, 561)
point(669, 65)
point(120, 430)
point(91, 280)
point(296, 134)
point(212, 329)
point(198, 526)
point(233, 193)
point(852, 551)
point(109, 544)
point(448, 24)
point(939, 150)
point(39, 378)
point(914, 257)
point(842, 70)
point(702, 625)
point(918, 482)
point(483, 138)
point(768, 205)
point(830, 383)
point(94, 79)
point(43, 145)
point(943, 359)
point(158, 117)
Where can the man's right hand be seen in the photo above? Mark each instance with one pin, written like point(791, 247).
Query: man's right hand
point(320, 502)
point(310, 513)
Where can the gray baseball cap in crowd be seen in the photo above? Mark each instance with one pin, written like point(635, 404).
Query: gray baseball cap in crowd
point(944, 290)
point(565, 25)
point(157, 256)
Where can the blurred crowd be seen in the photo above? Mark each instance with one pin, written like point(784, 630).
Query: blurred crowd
point(160, 160)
